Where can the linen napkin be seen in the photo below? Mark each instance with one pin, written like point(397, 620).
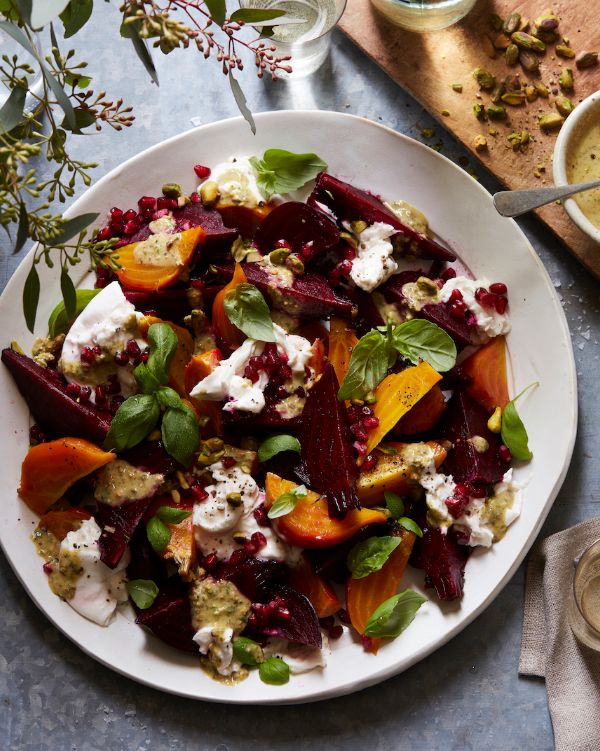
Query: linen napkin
point(549, 648)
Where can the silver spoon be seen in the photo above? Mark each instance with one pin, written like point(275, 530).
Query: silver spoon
point(517, 202)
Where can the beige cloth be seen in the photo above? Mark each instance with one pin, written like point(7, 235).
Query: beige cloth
point(549, 648)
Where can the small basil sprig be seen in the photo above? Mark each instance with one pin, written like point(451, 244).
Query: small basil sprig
point(286, 502)
point(246, 308)
point(394, 503)
point(142, 591)
point(411, 525)
point(394, 615)
point(172, 515)
point(247, 652)
point(159, 535)
point(276, 444)
point(370, 555)
point(274, 671)
point(281, 171)
point(140, 414)
point(513, 431)
point(376, 353)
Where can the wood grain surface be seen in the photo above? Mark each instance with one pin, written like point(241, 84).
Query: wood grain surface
point(427, 64)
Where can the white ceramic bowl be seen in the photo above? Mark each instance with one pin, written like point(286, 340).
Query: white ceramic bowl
point(589, 108)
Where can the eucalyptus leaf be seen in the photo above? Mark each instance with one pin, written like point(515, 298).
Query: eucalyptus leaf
point(180, 434)
point(274, 671)
point(11, 112)
point(281, 171)
point(22, 228)
point(394, 503)
point(59, 322)
point(217, 10)
point(44, 11)
point(241, 102)
point(134, 419)
point(422, 340)
point(255, 15)
point(246, 308)
point(276, 444)
point(141, 49)
point(23, 9)
point(370, 555)
point(69, 294)
point(394, 615)
point(31, 297)
point(286, 502)
point(369, 363)
point(74, 226)
point(83, 119)
point(75, 16)
point(247, 652)
point(158, 534)
point(172, 515)
point(142, 591)
point(513, 431)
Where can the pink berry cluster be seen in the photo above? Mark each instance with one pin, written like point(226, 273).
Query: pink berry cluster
point(362, 420)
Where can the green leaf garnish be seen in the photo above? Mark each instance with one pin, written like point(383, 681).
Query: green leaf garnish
point(274, 671)
point(172, 515)
point(246, 308)
point(281, 171)
point(163, 345)
point(142, 591)
point(31, 297)
point(369, 363)
point(422, 340)
point(370, 555)
point(75, 16)
point(44, 11)
point(217, 10)
point(68, 293)
point(513, 431)
point(59, 322)
point(255, 15)
point(276, 444)
point(181, 434)
point(169, 398)
point(411, 525)
point(158, 533)
point(74, 226)
point(148, 383)
point(134, 419)
point(11, 112)
point(247, 651)
point(394, 615)
point(286, 502)
point(394, 503)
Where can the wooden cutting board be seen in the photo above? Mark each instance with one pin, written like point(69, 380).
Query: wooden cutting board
point(427, 64)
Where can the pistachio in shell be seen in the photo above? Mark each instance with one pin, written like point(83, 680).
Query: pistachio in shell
point(565, 80)
point(484, 78)
point(586, 60)
point(528, 42)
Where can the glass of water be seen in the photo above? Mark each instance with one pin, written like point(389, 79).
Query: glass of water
point(584, 613)
point(305, 33)
point(424, 15)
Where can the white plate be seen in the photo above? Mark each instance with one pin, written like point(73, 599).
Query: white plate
point(461, 212)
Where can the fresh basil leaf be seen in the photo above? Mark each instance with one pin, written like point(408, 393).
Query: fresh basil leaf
point(172, 515)
point(158, 534)
point(11, 112)
point(134, 419)
point(180, 434)
point(142, 591)
point(169, 398)
point(369, 363)
point(370, 555)
point(513, 431)
point(275, 444)
point(255, 15)
point(68, 293)
point(59, 322)
point(31, 297)
point(274, 671)
point(241, 102)
point(281, 171)
point(286, 502)
point(422, 340)
point(147, 382)
point(394, 615)
point(247, 651)
point(217, 10)
point(75, 16)
point(411, 525)
point(163, 345)
point(394, 503)
point(246, 308)
point(44, 11)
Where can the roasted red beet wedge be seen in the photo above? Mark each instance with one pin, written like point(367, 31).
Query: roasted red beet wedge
point(464, 421)
point(118, 525)
point(348, 202)
point(170, 619)
point(45, 391)
point(443, 559)
point(168, 304)
point(328, 462)
point(256, 578)
point(151, 456)
point(300, 624)
point(309, 232)
point(457, 328)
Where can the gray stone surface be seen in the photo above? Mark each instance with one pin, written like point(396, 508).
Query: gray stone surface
point(465, 696)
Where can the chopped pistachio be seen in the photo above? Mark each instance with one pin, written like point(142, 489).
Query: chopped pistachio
point(541, 89)
point(496, 21)
point(209, 193)
point(514, 98)
point(512, 54)
point(512, 23)
point(519, 141)
point(358, 226)
point(497, 95)
point(370, 398)
point(479, 111)
point(496, 112)
point(564, 105)
point(548, 21)
point(279, 256)
point(484, 78)
point(488, 46)
point(457, 87)
point(428, 132)
point(563, 51)
point(493, 132)
point(586, 60)
point(529, 61)
point(528, 42)
point(445, 113)
point(524, 25)
point(531, 93)
point(239, 537)
point(495, 422)
point(234, 499)
point(550, 121)
point(172, 190)
point(565, 80)
point(480, 143)
point(295, 264)
point(501, 42)
point(512, 83)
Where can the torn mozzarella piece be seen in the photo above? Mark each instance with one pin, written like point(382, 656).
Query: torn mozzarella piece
point(237, 183)
point(490, 323)
point(374, 263)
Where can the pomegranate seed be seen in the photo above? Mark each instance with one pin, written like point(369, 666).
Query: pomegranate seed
point(282, 392)
point(327, 622)
point(345, 267)
point(160, 213)
point(201, 171)
point(283, 356)
point(116, 213)
point(456, 294)
point(48, 568)
point(147, 203)
point(259, 540)
point(458, 309)
point(198, 493)
point(162, 203)
point(449, 273)
point(104, 234)
point(307, 251)
point(471, 319)
point(228, 462)
point(122, 358)
point(282, 244)
point(498, 288)
point(369, 463)
point(87, 356)
point(335, 632)
point(85, 394)
point(145, 355)
point(195, 198)
point(370, 423)
point(250, 548)
point(285, 372)
point(479, 293)
point(73, 390)
point(133, 348)
point(260, 515)
point(97, 350)
point(359, 432)
point(488, 300)
point(367, 643)
point(237, 557)
point(36, 434)
point(131, 227)
point(251, 373)
point(505, 454)
point(210, 561)
point(130, 215)
point(116, 226)
point(252, 620)
point(500, 303)
point(361, 448)
point(115, 403)
point(100, 394)
point(343, 616)
point(349, 253)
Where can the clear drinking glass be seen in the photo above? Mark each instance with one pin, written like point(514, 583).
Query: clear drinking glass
point(307, 35)
point(424, 15)
point(584, 612)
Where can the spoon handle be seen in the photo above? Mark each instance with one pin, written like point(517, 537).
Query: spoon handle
point(517, 202)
